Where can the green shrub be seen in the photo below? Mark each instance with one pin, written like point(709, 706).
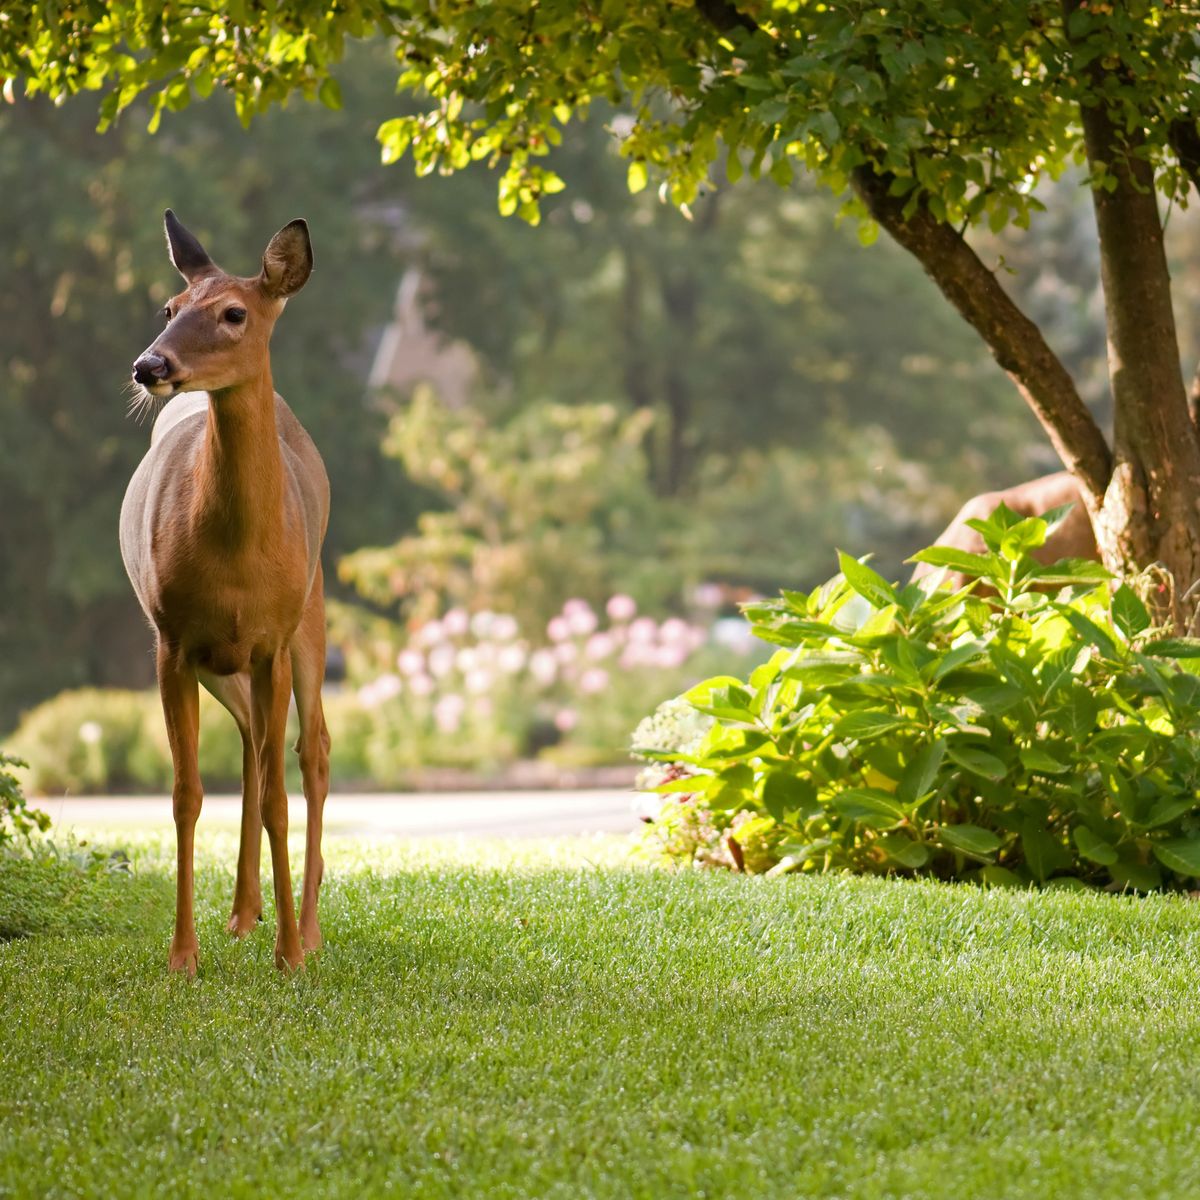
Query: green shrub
point(95, 740)
point(17, 819)
point(1043, 734)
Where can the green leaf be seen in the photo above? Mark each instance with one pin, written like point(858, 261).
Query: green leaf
point(1129, 613)
point(785, 793)
point(873, 807)
point(1044, 854)
point(1181, 855)
point(957, 560)
point(636, 177)
point(1036, 759)
point(921, 772)
point(1168, 809)
point(1140, 877)
point(864, 725)
point(330, 93)
point(994, 876)
point(905, 852)
point(1090, 632)
point(867, 583)
point(976, 760)
point(1182, 647)
point(969, 839)
point(1092, 847)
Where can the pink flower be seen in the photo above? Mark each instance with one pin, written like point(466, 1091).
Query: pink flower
point(581, 620)
point(593, 680)
point(565, 720)
point(441, 660)
point(543, 666)
point(478, 681)
point(621, 607)
point(504, 627)
point(708, 595)
point(558, 629)
point(670, 656)
point(410, 662)
point(448, 712)
point(575, 605)
point(482, 623)
point(421, 685)
point(566, 652)
point(600, 645)
point(429, 634)
point(456, 622)
point(511, 658)
point(675, 631)
point(643, 630)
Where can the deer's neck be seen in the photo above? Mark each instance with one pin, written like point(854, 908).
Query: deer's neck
point(239, 497)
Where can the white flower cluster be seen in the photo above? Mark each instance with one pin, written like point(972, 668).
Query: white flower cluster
point(673, 726)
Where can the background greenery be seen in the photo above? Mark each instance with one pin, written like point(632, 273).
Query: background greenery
point(787, 392)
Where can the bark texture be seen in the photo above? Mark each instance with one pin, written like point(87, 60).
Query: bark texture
point(1150, 512)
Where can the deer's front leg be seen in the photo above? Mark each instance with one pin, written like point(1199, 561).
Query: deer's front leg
point(179, 689)
point(271, 686)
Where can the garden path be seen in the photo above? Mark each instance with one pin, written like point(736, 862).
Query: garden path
point(389, 815)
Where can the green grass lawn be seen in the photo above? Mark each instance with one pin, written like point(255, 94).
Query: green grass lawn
point(551, 1021)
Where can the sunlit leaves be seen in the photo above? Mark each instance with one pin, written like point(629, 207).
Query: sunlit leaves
point(962, 112)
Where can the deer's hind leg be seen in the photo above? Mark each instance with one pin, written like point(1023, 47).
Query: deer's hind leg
point(233, 691)
point(308, 674)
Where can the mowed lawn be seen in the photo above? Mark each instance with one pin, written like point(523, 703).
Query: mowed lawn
point(552, 1020)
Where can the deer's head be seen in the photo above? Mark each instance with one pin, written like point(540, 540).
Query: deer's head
point(219, 326)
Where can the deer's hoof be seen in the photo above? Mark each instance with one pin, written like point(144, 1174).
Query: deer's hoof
point(242, 923)
point(290, 960)
point(184, 959)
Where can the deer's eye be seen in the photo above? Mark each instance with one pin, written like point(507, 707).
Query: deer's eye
point(235, 315)
point(166, 314)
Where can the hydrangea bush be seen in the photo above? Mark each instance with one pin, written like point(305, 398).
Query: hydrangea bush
point(1032, 726)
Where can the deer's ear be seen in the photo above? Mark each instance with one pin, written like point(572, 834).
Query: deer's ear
point(188, 257)
point(288, 261)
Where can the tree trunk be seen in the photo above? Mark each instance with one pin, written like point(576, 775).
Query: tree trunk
point(1150, 513)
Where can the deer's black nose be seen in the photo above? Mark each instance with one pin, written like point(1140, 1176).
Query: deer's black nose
point(150, 368)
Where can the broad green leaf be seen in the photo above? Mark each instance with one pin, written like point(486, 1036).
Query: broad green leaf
point(867, 724)
point(1129, 613)
point(1140, 877)
point(785, 792)
point(969, 839)
point(1037, 759)
point(1044, 854)
point(866, 582)
point(871, 806)
point(958, 560)
point(976, 760)
point(1092, 847)
point(903, 851)
point(994, 876)
point(1173, 648)
point(1168, 809)
point(1181, 855)
point(921, 772)
point(1090, 632)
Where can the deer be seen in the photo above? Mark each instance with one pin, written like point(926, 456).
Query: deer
point(1074, 537)
point(221, 531)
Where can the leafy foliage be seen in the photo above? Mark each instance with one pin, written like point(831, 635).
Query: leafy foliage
point(17, 819)
point(1024, 736)
point(959, 106)
point(551, 504)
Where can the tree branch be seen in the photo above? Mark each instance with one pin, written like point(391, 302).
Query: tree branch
point(1184, 136)
point(1014, 340)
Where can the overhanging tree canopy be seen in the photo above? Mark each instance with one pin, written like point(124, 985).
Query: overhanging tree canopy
point(935, 118)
